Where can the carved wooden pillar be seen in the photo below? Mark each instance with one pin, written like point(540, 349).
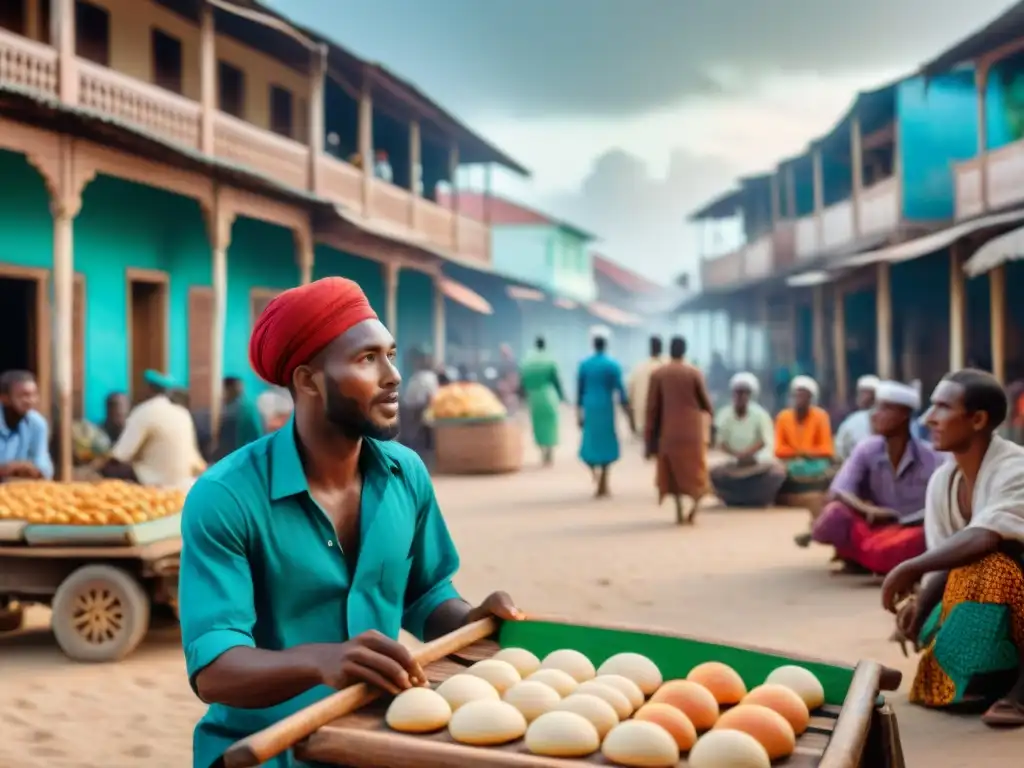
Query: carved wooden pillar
point(219, 220)
point(839, 343)
point(883, 321)
point(440, 329)
point(207, 81)
point(857, 164)
point(415, 172)
point(318, 74)
point(62, 35)
point(981, 83)
point(819, 196)
point(957, 311)
point(391, 270)
point(304, 254)
point(997, 304)
point(366, 143)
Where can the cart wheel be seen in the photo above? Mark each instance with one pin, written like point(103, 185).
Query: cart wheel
point(11, 618)
point(100, 613)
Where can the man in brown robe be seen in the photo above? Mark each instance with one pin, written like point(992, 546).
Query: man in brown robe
point(678, 406)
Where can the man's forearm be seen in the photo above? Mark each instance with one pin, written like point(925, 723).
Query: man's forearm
point(963, 548)
point(447, 617)
point(253, 678)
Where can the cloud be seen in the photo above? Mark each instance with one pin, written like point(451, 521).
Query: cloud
point(639, 214)
point(602, 58)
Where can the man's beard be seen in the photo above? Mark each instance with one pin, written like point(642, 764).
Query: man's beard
point(345, 415)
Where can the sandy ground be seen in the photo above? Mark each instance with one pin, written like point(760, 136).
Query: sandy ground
point(735, 576)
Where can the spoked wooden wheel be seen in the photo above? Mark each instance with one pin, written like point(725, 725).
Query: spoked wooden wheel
point(100, 613)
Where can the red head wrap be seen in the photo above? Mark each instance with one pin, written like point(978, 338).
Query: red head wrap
point(300, 322)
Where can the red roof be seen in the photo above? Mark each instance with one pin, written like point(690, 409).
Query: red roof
point(626, 278)
point(474, 206)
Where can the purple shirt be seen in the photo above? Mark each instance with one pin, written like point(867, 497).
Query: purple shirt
point(869, 475)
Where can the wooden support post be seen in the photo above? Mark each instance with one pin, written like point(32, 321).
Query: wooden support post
point(65, 204)
point(440, 329)
point(207, 83)
point(857, 164)
point(317, 128)
point(62, 35)
point(488, 194)
point(883, 320)
point(842, 375)
point(415, 172)
point(391, 276)
point(304, 254)
point(820, 335)
point(776, 203)
point(791, 190)
point(819, 195)
point(981, 83)
point(997, 303)
point(957, 311)
point(453, 172)
point(366, 143)
point(220, 218)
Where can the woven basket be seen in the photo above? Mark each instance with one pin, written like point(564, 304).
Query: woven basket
point(477, 446)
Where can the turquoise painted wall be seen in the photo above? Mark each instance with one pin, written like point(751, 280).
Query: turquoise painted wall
point(803, 178)
point(837, 178)
point(121, 226)
point(26, 229)
point(573, 266)
point(368, 273)
point(938, 126)
point(415, 315)
point(521, 252)
point(1004, 102)
point(261, 256)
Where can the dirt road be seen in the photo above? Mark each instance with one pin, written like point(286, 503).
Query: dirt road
point(735, 576)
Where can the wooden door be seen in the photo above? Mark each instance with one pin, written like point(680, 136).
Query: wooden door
point(78, 349)
point(147, 326)
point(200, 346)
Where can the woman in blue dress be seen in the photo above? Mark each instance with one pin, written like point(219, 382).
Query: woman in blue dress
point(599, 381)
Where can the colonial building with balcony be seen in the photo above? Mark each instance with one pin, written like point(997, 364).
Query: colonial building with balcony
point(171, 165)
point(854, 251)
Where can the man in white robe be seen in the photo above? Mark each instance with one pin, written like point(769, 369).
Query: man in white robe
point(857, 426)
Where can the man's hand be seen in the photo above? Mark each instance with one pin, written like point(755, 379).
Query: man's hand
point(497, 604)
point(899, 584)
point(367, 658)
point(25, 470)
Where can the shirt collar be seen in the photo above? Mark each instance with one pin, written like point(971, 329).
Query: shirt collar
point(910, 456)
point(6, 431)
point(287, 477)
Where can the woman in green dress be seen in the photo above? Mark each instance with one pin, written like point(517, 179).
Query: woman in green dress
point(543, 392)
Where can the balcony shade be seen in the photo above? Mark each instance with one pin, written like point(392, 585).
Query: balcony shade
point(996, 252)
point(524, 294)
point(613, 315)
point(467, 297)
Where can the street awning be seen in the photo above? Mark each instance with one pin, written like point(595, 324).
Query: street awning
point(935, 241)
point(1006, 247)
point(467, 297)
point(612, 315)
point(523, 293)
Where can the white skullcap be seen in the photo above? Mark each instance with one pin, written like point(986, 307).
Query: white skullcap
point(600, 332)
point(868, 382)
point(745, 380)
point(894, 393)
point(805, 382)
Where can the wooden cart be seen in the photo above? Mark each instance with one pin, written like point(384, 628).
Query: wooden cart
point(101, 582)
point(855, 729)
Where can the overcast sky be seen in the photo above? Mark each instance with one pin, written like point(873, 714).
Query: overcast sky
point(630, 113)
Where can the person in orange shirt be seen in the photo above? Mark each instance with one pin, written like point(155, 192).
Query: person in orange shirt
point(803, 442)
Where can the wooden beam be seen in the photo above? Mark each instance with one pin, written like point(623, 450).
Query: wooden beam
point(957, 310)
point(997, 304)
point(883, 320)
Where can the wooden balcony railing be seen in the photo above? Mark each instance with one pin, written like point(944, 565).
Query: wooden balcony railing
point(807, 237)
point(837, 225)
point(1003, 181)
point(27, 64)
point(879, 207)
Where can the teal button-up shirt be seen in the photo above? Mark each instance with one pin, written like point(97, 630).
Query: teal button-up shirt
point(261, 567)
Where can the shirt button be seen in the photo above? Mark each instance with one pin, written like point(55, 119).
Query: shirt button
point(330, 543)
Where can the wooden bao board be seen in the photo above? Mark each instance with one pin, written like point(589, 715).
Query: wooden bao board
point(855, 729)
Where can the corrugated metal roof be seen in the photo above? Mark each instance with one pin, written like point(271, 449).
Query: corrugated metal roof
point(1005, 28)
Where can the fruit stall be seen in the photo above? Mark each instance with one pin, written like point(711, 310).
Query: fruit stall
point(473, 433)
point(548, 693)
point(103, 555)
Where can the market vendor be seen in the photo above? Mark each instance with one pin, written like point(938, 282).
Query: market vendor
point(24, 433)
point(158, 446)
point(306, 551)
point(968, 617)
point(875, 516)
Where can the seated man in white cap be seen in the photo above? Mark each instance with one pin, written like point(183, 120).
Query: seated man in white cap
point(857, 426)
point(744, 431)
point(875, 516)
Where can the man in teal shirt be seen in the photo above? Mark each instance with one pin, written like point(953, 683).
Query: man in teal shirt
point(241, 422)
point(307, 550)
